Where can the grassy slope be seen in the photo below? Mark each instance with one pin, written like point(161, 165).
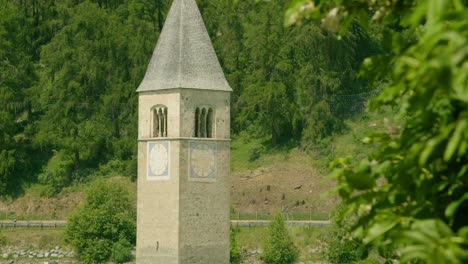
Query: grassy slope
point(295, 181)
point(281, 179)
point(281, 170)
point(33, 206)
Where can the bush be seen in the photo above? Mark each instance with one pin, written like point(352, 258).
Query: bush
point(103, 223)
point(113, 167)
point(236, 255)
point(122, 251)
point(279, 248)
point(340, 246)
point(254, 154)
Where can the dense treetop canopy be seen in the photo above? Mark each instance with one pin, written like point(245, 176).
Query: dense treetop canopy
point(69, 70)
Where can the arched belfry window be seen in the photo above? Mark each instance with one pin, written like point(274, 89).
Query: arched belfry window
point(159, 124)
point(209, 123)
point(203, 122)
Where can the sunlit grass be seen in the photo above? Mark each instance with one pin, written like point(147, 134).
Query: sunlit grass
point(35, 238)
point(307, 239)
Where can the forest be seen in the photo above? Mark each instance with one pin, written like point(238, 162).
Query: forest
point(70, 68)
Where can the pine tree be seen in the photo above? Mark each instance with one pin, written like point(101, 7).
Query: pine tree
point(279, 248)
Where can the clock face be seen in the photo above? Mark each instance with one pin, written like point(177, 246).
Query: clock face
point(158, 159)
point(202, 160)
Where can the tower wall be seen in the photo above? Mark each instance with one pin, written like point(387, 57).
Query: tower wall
point(184, 218)
point(169, 98)
point(204, 201)
point(158, 200)
point(218, 100)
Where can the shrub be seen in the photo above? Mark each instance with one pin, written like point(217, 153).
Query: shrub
point(279, 248)
point(340, 246)
point(113, 167)
point(236, 255)
point(122, 251)
point(254, 154)
point(102, 224)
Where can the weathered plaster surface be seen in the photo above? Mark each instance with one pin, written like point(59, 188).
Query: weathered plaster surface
point(184, 220)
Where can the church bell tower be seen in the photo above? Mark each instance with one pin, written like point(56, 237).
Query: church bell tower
point(183, 147)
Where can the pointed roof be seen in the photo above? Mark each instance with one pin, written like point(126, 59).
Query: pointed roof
point(184, 56)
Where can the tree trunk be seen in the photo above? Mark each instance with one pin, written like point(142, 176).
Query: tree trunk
point(117, 128)
point(29, 107)
point(160, 19)
point(76, 161)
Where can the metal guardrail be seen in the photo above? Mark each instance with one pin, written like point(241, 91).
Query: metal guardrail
point(63, 223)
point(37, 223)
point(288, 222)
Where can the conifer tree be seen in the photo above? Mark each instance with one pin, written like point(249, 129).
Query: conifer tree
point(279, 248)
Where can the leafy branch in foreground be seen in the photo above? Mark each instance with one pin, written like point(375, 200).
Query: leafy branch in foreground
point(412, 192)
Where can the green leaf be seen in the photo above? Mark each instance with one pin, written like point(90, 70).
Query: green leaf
point(412, 252)
point(435, 10)
point(453, 206)
point(360, 181)
point(378, 229)
point(455, 140)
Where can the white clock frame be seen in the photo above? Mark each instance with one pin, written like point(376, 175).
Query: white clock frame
point(165, 175)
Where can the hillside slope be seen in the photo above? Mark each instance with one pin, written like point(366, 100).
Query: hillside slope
point(263, 180)
point(283, 180)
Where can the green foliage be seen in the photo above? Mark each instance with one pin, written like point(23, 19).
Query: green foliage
point(411, 191)
point(113, 167)
point(6, 168)
point(286, 80)
point(104, 224)
point(68, 74)
point(279, 248)
point(254, 154)
point(3, 240)
point(236, 255)
point(74, 122)
point(15, 77)
point(69, 70)
point(56, 174)
point(122, 251)
point(341, 247)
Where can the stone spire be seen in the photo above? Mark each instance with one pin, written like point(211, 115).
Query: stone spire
point(184, 56)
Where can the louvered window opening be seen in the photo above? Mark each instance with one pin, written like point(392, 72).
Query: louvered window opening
point(159, 114)
point(203, 122)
